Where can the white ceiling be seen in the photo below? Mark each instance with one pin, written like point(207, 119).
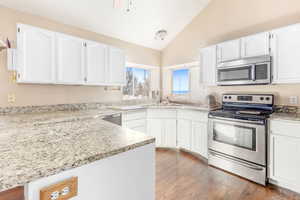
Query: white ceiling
point(138, 26)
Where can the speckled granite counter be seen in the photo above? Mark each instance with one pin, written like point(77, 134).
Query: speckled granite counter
point(286, 116)
point(33, 146)
point(19, 120)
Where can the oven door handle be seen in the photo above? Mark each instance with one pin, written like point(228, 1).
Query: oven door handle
point(239, 162)
point(260, 122)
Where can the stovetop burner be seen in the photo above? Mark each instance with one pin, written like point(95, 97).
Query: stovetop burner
point(245, 107)
point(241, 114)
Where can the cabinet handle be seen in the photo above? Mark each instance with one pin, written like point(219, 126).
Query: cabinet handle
point(85, 79)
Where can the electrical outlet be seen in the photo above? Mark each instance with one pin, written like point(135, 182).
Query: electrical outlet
point(11, 98)
point(54, 195)
point(293, 100)
point(63, 190)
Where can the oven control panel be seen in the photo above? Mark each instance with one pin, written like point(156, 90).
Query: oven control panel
point(253, 99)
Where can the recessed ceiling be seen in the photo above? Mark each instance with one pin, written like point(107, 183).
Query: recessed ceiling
point(137, 26)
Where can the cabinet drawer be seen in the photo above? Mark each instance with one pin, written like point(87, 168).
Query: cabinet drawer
point(192, 115)
point(285, 128)
point(162, 113)
point(134, 115)
point(135, 123)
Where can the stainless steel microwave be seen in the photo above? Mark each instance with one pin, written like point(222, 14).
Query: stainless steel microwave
point(248, 71)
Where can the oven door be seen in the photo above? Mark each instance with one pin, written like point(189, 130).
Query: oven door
point(238, 138)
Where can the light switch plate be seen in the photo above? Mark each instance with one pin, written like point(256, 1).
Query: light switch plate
point(11, 98)
point(11, 59)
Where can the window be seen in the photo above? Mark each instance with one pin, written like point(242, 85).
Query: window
point(137, 83)
point(180, 81)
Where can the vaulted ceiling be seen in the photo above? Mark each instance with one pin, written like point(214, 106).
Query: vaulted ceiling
point(137, 26)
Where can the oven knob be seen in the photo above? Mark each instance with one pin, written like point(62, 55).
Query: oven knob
point(229, 97)
point(268, 98)
point(261, 98)
point(225, 97)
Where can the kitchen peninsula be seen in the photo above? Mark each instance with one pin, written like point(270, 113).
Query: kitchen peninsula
point(41, 149)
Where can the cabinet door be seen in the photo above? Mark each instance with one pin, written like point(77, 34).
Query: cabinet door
point(70, 59)
point(285, 45)
point(116, 66)
point(285, 160)
point(36, 55)
point(184, 132)
point(230, 50)
point(208, 59)
point(96, 63)
point(256, 45)
point(199, 138)
point(155, 129)
point(169, 133)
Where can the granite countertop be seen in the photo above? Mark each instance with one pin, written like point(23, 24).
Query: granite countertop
point(38, 145)
point(20, 120)
point(286, 116)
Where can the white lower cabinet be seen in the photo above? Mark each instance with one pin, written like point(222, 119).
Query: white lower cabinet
point(169, 133)
point(199, 138)
point(161, 124)
point(164, 131)
point(192, 131)
point(135, 120)
point(186, 129)
point(155, 129)
point(184, 133)
point(284, 159)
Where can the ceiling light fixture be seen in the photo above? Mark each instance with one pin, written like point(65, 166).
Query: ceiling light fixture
point(120, 4)
point(161, 34)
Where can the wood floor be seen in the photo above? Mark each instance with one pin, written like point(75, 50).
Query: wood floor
point(181, 176)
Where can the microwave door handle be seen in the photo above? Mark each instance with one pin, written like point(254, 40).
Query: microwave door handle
point(253, 72)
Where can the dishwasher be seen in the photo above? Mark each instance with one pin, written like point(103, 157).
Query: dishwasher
point(115, 119)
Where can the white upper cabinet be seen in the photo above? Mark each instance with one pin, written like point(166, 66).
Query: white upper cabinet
point(96, 63)
point(70, 60)
point(116, 66)
point(47, 57)
point(255, 45)
point(285, 45)
point(229, 50)
point(36, 55)
point(208, 61)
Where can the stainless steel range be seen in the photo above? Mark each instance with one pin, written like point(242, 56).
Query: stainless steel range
point(238, 135)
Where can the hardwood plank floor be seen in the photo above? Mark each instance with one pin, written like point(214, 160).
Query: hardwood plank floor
point(13, 194)
point(181, 176)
